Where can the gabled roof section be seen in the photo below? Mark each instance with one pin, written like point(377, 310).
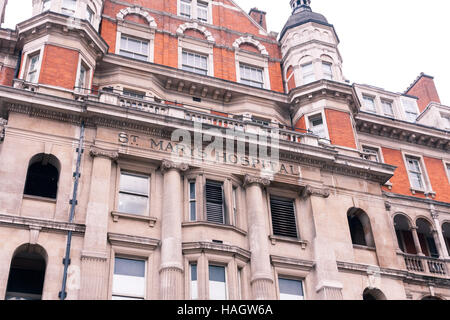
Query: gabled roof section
point(261, 29)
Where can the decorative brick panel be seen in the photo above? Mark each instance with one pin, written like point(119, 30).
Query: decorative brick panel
point(6, 76)
point(59, 67)
point(425, 89)
point(340, 128)
point(438, 178)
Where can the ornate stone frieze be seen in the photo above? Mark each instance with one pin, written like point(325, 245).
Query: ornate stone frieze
point(308, 191)
point(133, 241)
point(99, 152)
point(3, 123)
point(167, 165)
point(249, 180)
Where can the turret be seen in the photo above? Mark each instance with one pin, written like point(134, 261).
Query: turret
point(309, 46)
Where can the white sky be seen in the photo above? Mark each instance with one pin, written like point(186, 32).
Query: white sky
point(383, 43)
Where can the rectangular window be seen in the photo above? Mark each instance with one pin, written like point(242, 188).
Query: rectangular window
point(290, 289)
point(194, 281)
point(252, 76)
point(202, 11)
point(89, 15)
point(327, 70)
point(134, 48)
point(316, 126)
point(369, 104)
point(192, 202)
point(239, 283)
point(387, 108)
point(415, 173)
point(128, 279)
point(410, 110)
point(217, 283)
point(214, 202)
point(33, 68)
point(133, 194)
point(46, 5)
point(185, 8)
point(235, 205)
point(308, 73)
point(283, 217)
point(83, 77)
point(69, 7)
point(195, 62)
point(373, 151)
point(133, 94)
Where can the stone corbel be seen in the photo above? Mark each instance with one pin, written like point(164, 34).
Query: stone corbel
point(99, 152)
point(249, 180)
point(308, 191)
point(167, 165)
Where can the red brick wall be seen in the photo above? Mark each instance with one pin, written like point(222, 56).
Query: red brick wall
point(340, 128)
point(290, 78)
point(6, 76)
point(136, 19)
point(166, 46)
point(426, 91)
point(438, 178)
point(59, 67)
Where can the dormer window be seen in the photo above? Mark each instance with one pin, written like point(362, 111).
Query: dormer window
point(369, 104)
point(69, 7)
point(185, 8)
point(387, 108)
point(194, 9)
point(411, 111)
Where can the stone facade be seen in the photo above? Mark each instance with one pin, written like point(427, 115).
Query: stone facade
point(351, 202)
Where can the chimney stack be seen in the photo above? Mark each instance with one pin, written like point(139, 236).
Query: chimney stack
point(425, 89)
point(259, 16)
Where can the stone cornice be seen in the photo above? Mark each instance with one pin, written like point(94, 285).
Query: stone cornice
point(104, 153)
point(415, 199)
point(167, 165)
point(292, 263)
point(124, 240)
point(249, 180)
point(44, 225)
point(195, 247)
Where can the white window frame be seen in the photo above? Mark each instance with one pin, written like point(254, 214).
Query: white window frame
point(140, 32)
point(142, 54)
point(424, 174)
point(253, 60)
point(121, 256)
point(227, 289)
point(37, 66)
point(193, 200)
point(304, 75)
point(375, 147)
point(372, 150)
point(244, 65)
point(324, 119)
point(88, 83)
point(194, 10)
point(195, 67)
point(63, 8)
point(191, 263)
point(373, 98)
point(201, 47)
point(132, 173)
point(330, 64)
point(405, 112)
point(302, 281)
point(389, 102)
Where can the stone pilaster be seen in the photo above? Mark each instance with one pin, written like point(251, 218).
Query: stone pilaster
point(261, 280)
point(94, 272)
point(416, 241)
point(171, 270)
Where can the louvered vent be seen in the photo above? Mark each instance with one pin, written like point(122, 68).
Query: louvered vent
point(214, 202)
point(283, 217)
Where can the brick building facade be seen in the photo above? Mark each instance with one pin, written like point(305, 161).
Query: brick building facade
point(100, 198)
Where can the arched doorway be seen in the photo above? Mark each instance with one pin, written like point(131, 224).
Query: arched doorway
point(373, 294)
point(27, 273)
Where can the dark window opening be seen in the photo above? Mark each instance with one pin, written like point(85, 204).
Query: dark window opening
point(215, 202)
point(360, 229)
point(42, 180)
point(357, 231)
point(283, 217)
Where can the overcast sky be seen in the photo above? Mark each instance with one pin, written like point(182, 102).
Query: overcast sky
point(383, 43)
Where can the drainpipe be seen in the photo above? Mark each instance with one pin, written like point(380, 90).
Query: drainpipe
point(66, 261)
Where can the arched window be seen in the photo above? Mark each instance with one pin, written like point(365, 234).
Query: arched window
point(42, 176)
point(426, 238)
point(373, 294)
point(446, 234)
point(404, 235)
point(360, 229)
point(27, 273)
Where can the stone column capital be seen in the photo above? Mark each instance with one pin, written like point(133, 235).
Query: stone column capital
point(249, 180)
point(104, 153)
point(308, 191)
point(167, 165)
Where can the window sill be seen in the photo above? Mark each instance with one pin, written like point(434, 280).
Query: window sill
point(214, 225)
point(274, 240)
point(116, 215)
point(414, 191)
point(44, 199)
point(361, 247)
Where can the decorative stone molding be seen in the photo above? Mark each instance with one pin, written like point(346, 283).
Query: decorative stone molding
point(237, 43)
point(314, 191)
point(219, 248)
point(168, 165)
point(195, 26)
point(171, 283)
point(99, 152)
point(262, 288)
point(43, 225)
point(292, 263)
point(124, 240)
point(117, 215)
point(3, 123)
point(249, 180)
point(137, 10)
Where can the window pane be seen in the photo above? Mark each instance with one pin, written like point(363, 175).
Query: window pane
point(217, 284)
point(132, 204)
point(387, 108)
point(327, 71)
point(194, 285)
point(134, 184)
point(369, 103)
point(129, 278)
point(290, 289)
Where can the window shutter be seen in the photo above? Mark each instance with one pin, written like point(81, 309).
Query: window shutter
point(214, 202)
point(283, 217)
